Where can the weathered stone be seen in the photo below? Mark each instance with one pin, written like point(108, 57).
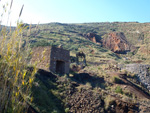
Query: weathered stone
point(140, 70)
point(117, 42)
point(86, 101)
point(52, 59)
point(93, 37)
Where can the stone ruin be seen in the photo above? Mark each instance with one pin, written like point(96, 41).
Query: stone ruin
point(52, 59)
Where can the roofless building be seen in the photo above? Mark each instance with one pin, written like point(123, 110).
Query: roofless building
point(52, 59)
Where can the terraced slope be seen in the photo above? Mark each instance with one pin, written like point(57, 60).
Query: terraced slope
point(89, 36)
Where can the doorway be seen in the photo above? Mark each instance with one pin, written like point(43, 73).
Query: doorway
point(60, 67)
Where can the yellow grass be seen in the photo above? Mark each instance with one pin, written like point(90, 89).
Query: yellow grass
point(15, 78)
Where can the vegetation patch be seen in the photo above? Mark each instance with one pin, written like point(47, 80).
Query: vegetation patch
point(119, 90)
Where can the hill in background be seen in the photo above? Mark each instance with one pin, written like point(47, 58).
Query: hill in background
point(91, 36)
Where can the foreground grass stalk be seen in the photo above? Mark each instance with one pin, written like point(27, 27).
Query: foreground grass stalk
point(15, 77)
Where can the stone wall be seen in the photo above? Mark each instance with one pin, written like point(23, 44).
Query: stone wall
point(41, 57)
point(47, 58)
point(59, 54)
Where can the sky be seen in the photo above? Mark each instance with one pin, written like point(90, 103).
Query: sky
point(76, 11)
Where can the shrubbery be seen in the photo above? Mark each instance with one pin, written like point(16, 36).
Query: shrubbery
point(119, 90)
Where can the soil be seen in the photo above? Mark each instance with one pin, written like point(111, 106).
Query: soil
point(127, 85)
point(80, 97)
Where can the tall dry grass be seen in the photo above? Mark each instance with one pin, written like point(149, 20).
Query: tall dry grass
point(15, 76)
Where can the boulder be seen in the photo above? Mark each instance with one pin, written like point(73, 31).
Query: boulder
point(93, 37)
point(116, 42)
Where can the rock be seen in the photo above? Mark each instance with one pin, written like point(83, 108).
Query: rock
point(117, 42)
point(86, 102)
point(93, 37)
point(118, 106)
point(140, 70)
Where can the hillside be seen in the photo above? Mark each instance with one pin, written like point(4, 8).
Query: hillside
point(107, 46)
point(135, 32)
point(115, 79)
point(90, 36)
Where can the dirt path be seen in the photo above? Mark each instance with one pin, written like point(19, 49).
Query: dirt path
point(134, 88)
point(131, 86)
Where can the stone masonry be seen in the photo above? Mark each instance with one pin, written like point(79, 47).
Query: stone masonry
point(52, 59)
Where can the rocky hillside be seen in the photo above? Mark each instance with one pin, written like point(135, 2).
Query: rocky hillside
point(119, 37)
point(115, 79)
point(78, 95)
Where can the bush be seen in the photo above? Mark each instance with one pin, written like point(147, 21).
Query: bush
point(119, 90)
point(108, 100)
point(67, 110)
point(127, 62)
point(41, 43)
point(117, 80)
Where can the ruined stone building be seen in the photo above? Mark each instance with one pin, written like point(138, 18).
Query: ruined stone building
point(52, 59)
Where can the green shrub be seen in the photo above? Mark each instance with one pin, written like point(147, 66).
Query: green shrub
point(67, 110)
point(41, 43)
point(117, 80)
point(129, 94)
point(119, 90)
point(127, 62)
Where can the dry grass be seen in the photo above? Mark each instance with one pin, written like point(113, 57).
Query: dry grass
point(108, 100)
point(15, 78)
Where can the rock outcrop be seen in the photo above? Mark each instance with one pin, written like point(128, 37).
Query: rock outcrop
point(142, 71)
point(117, 42)
point(93, 37)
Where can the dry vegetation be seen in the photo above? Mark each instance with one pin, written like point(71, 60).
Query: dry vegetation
point(15, 76)
point(21, 86)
